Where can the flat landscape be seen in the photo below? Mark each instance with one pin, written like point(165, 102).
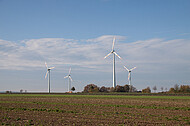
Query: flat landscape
point(61, 109)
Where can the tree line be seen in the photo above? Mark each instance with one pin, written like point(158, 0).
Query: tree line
point(92, 88)
point(175, 89)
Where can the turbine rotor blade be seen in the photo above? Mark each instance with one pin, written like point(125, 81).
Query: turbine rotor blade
point(117, 55)
point(46, 74)
point(51, 68)
point(46, 65)
point(107, 55)
point(126, 68)
point(70, 70)
point(133, 68)
point(113, 43)
point(70, 78)
point(66, 76)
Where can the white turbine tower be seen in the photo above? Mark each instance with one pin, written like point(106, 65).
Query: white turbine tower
point(114, 53)
point(69, 80)
point(129, 75)
point(48, 73)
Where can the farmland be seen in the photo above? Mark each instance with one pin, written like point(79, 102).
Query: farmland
point(45, 109)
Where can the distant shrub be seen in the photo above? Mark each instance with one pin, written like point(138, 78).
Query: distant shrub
point(124, 88)
point(8, 92)
point(73, 89)
point(172, 90)
point(146, 90)
point(119, 89)
point(91, 88)
point(104, 89)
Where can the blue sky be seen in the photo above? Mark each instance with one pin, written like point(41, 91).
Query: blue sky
point(153, 35)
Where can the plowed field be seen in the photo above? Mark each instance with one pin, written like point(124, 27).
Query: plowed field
point(93, 110)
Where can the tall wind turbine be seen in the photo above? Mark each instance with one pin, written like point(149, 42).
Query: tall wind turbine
point(69, 80)
point(48, 73)
point(129, 75)
point(114, 53)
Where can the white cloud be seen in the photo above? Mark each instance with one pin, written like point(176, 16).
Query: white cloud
point(156, 60)
point(106, 38)
point(160, 56)
point(148, 55)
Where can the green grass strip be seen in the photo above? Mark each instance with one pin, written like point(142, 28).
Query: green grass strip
point(95, 96)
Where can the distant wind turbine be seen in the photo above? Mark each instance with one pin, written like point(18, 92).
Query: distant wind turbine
point(48, 73)
point(69, 80)
point(129, 75)
point(114, 53)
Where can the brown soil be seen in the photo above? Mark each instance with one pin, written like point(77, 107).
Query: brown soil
point(93, 111)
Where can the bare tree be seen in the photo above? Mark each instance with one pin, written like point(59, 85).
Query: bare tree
point(162, 88)
point(21, 91)
point(176, 87)
point(154, 88)
point(166, 89)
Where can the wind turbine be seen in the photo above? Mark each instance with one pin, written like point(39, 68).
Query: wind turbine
point(114, 53)
point(129, 75)
point(69, 80)
point(48, 73)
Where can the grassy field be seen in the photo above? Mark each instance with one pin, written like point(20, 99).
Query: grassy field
point(59, 109)
point(98, 96)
